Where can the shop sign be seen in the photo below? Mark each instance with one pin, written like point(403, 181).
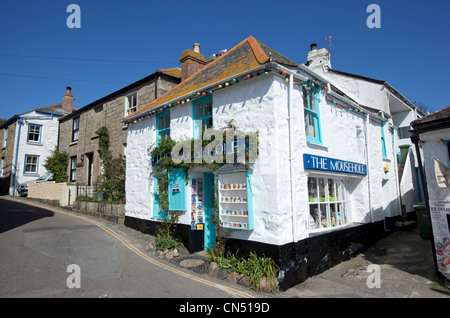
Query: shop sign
point(440, 221)
point(331, 164)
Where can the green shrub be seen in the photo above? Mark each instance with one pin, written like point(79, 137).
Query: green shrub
point(255, 267)
point(57, 163)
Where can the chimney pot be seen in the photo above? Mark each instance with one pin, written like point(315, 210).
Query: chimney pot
point(313, 46)
point(68, 89)
point(196, 48)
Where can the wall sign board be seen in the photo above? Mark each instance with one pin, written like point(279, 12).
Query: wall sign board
point(335, 165)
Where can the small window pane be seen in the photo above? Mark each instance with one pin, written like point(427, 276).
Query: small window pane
point(323, 216)
point(199, 111)
point(322, 196)
point(312, 190)
point(314, 220)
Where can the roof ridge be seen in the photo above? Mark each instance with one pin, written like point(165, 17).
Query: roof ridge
point(260, 55)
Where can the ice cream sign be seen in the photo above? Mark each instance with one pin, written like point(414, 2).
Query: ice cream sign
point(331, 164)
point(440, 220)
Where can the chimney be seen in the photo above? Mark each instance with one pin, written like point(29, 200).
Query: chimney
point(318, 60)
point(67, 102)
point(191, 61)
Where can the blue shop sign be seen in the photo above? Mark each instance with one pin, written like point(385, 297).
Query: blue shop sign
point(331, 164)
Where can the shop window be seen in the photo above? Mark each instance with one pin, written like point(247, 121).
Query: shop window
point(328, 202)
point(311, 112)
point(203, 118)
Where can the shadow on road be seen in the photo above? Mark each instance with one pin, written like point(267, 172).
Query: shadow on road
point(14, 214)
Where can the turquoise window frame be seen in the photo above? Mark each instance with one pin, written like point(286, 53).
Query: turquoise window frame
point(383, 141)
point(159, 131)
point(315, 114)
point(201, 117)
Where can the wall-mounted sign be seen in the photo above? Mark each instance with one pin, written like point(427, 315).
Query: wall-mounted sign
point(331, 164)
point(175, 188)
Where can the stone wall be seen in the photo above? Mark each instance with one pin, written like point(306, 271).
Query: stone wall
point(49, 190)
point(111, 212)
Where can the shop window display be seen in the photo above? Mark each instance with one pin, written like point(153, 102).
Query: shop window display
point(328, 202)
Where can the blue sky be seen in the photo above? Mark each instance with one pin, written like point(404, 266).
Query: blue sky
point(411, 50)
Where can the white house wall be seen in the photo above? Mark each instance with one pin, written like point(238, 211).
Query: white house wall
point(43, 149)
point(261, 105)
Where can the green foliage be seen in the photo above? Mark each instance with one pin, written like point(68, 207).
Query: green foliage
point(112, 179)
point(255, 267)
point(165, 238)
point(85, 198)
point(57, 163)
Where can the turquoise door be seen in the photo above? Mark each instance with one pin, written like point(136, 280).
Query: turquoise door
point(210, 229)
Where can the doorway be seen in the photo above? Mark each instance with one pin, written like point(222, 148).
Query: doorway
point(209, 229)
point(90, 168)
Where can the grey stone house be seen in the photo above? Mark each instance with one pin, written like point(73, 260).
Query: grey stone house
point(77, 130)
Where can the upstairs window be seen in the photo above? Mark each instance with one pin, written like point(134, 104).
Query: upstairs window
point(162, 125)
point(5, 137)
point(311, 109)
point(130, 103)
point(383, 141)
point(75, 128)
point(203, 118)
point(34, 133)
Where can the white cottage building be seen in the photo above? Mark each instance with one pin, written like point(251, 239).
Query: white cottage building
point(323, 187)
point(27, 140)
point(431, 138)
point(397, 112)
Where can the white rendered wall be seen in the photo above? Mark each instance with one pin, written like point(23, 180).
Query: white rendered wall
point(43, 149)
point(261, 104)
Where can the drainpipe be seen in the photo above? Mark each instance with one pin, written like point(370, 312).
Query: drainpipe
point(366, 126)
point(291, 158)
point(19, 122)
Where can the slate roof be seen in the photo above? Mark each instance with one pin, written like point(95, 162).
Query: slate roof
point(247, 55)
point(434, 121)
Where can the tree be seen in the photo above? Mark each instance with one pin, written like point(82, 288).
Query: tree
point(57, 164)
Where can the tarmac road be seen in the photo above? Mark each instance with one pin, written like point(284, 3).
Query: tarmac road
point(37, 245)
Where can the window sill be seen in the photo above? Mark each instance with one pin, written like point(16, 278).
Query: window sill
point(73, 143)
point(323, 231)
point(34, 143)
point(317, 145)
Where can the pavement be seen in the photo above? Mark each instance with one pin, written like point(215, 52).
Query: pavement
point(399, 266)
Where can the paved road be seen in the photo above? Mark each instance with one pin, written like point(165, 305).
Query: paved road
point(37, 245)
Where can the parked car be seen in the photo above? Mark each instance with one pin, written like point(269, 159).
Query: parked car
point(22, 189)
